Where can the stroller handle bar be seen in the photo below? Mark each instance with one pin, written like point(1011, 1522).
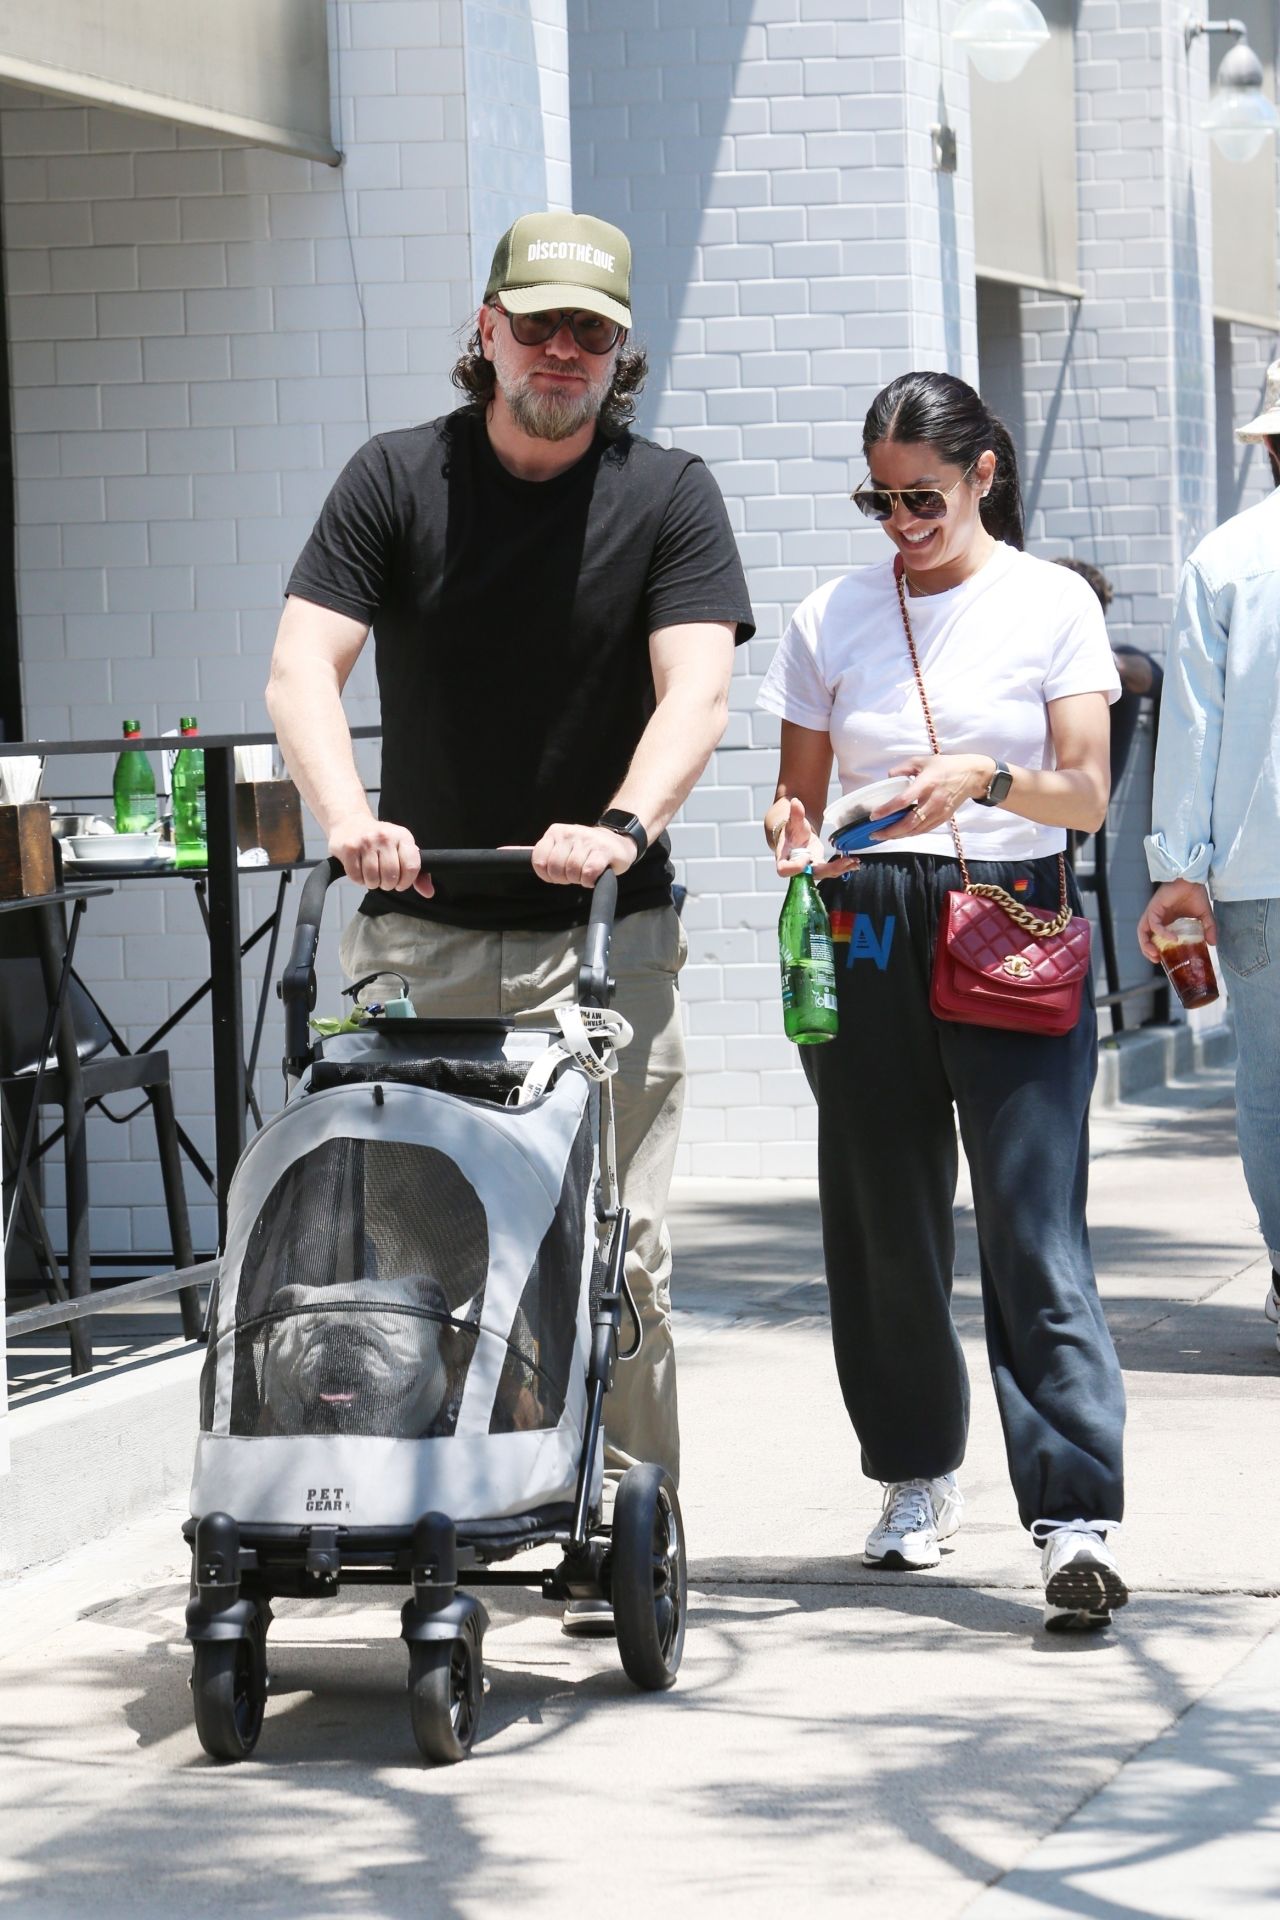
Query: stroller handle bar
point(298, 982)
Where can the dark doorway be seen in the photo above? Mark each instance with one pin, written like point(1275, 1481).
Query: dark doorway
point(10, 671)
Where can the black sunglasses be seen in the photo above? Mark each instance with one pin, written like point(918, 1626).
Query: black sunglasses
point(591, 331)
point(922, 503)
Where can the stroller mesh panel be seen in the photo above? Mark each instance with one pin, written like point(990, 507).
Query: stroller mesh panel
point(359, 1294)
point(363, 1296)
point(352, 1211)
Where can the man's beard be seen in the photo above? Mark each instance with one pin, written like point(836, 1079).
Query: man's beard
point(552, 416)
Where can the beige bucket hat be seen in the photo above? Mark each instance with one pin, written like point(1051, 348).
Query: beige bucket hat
point(1268, 421)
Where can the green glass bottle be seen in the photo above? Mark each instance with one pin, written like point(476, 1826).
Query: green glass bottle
point(808, 964)
point(190, 836)
point(133, 786)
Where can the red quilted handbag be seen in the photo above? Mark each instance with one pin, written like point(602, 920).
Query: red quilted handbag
point(997, 963)
point(991, 971)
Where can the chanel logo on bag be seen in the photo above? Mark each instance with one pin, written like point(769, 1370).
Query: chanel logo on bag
point(1014, 965)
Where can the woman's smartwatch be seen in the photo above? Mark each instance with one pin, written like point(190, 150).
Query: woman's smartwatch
point(997, 787)
point(618, 820)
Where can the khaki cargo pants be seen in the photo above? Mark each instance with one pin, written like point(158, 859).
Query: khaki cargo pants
point(456, 971)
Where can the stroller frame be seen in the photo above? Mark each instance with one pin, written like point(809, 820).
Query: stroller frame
point(636, 1563)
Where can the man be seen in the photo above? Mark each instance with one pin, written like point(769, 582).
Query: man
point(1216, 810)
point(1141, 677)
point(555, 604)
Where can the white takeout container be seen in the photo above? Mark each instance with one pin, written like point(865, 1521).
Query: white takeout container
point(111, 849)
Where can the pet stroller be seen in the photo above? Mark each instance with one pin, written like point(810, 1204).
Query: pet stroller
point(415, 1322)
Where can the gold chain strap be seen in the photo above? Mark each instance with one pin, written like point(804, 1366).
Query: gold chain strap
point(1021, 916)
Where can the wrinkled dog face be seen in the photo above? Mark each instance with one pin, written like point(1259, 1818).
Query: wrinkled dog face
point(372, 1368)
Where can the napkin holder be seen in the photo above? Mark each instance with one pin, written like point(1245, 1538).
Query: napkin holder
point(26, 850)
point(269, 815)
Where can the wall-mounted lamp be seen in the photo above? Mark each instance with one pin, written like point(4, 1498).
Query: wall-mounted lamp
point(1000, 36)
point(1241, 119)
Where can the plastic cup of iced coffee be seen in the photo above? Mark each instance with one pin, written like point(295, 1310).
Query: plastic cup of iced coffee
point(1184, 955)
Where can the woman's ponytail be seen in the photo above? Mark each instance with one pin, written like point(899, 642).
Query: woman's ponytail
point(1001, 511)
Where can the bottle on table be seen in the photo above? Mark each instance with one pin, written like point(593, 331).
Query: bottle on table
point(133, 786)
point(808, 964)
point(190, 835)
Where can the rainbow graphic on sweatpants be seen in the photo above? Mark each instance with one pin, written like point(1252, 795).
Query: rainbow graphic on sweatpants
point(857, 935)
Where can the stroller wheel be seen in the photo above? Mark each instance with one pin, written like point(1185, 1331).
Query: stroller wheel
point(229, 1688)
point(649, 1577)
point(446, 1685)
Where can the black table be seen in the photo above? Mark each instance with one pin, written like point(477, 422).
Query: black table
point(57, 952)
point(268, 929)
point(223, 874)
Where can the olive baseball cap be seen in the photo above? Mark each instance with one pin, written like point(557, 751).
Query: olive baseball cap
point(563, 260)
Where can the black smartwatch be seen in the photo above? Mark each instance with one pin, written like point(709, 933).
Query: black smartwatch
point(997, 788)
point(618, 820)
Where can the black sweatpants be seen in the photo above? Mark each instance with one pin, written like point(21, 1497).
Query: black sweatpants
point(887, 1161)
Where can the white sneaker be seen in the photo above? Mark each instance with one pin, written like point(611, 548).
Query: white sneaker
point(587, 1620)
point(916, 1516)
point(1082, 1583)
point(1271, 1305)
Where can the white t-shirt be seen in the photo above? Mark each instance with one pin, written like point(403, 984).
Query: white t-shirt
point(993, 651)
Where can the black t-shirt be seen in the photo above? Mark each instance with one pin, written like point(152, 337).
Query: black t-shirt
point(511, 622)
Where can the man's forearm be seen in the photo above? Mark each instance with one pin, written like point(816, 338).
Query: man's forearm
point(683, 732)
point(305, 704)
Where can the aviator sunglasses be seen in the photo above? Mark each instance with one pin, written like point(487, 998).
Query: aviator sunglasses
point(922, 503)
point(591, 331)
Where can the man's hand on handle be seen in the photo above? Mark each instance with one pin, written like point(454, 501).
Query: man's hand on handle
point(1176, 900)
point(382, 856)
point(379, 855)
point(572, 856)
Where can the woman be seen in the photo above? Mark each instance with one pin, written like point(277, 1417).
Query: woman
point(1018, 674)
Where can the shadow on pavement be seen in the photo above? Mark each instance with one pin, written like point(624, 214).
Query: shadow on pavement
point(760, 1263)
point(1200, 1338)
point(336, 1816)
point(1218, 1781)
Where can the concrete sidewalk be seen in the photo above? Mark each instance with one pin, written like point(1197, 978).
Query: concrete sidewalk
point(839, 1740)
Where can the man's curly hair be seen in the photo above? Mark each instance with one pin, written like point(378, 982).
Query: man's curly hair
point(1095, 577)
point(475, 376)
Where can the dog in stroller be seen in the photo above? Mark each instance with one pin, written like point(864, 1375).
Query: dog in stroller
point(415, 1323)
point(336, 1371)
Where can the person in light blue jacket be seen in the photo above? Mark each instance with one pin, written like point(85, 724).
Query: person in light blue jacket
point(1215, 840)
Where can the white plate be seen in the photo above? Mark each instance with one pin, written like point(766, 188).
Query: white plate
point(855, 809)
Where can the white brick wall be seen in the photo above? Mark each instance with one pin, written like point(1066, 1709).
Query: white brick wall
point(517, 54)
point(1113, 402)
point(794, 249)
point(201, 335)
